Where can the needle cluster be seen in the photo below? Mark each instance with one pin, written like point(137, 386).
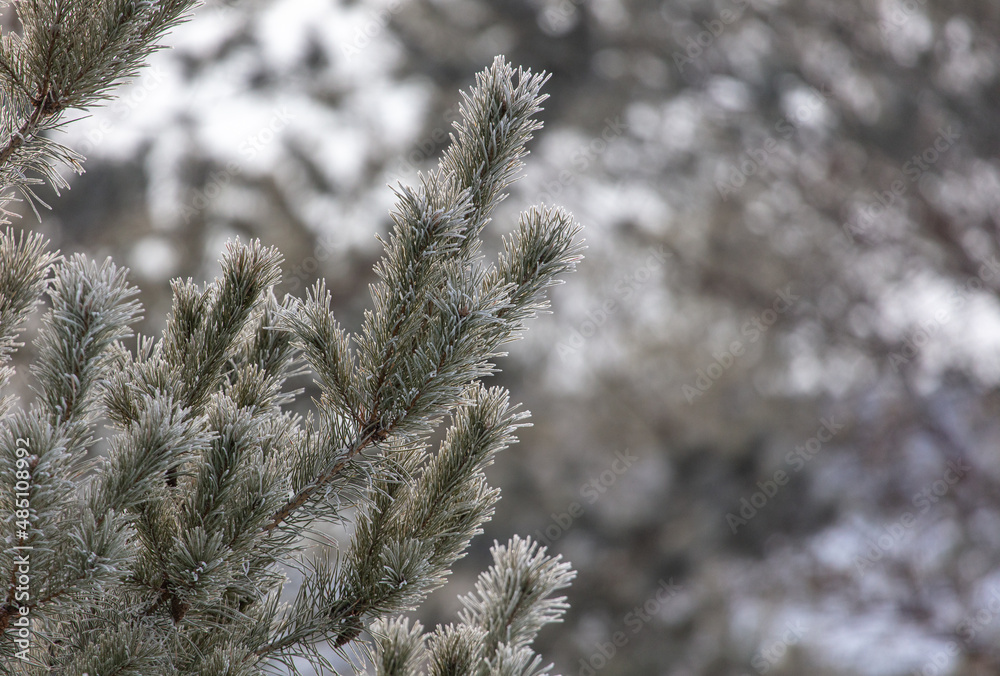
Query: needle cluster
point(167, 554)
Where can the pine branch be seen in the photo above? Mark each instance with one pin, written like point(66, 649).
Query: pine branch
point(438, 317)
point(511, 603)
point(69, 55)
point(91, 310)
point(487, 150)
point(202, 334)
point(24, 269)
point(400, 648)
point(165, 557)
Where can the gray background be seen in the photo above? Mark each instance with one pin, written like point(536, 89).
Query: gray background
point(765, 409)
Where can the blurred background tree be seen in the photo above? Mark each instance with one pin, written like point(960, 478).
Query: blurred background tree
point(766, 410)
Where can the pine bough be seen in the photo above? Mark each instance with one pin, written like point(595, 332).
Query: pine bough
point(164, 556)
